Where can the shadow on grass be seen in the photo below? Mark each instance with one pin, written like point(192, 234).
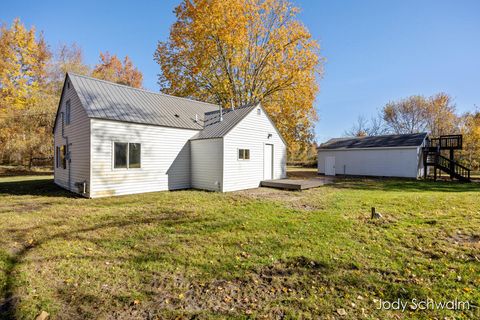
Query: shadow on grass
point(406, 185)
point(37, 187)
point(8, 300)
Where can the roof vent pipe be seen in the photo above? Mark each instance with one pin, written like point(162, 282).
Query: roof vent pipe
point(232, 105)
point(196, 117)
point(221, 113)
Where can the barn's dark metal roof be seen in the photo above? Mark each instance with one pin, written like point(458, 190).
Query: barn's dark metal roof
point(387, 141)
point(107, 100)
point(214, 128)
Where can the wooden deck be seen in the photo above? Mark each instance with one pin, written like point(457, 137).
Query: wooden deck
point(296, 184)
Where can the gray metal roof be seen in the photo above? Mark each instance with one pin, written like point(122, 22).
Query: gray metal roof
point(387, 141)
point(107, 100)
point(214, 128)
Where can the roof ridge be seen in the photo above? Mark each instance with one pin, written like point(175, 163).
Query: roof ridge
point(379, 136)
point(227, 124)
point(390, 140)
point(138, 89)
point(230, 109)
point(395, 134)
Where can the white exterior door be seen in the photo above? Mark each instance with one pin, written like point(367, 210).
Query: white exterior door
point(330, 166)
point(268, 162)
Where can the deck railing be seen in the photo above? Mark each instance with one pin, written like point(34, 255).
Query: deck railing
point(453, 141)
point(449, 166)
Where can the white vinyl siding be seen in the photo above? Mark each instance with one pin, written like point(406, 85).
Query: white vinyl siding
point(78, 134)
point(252, 133)
point(165, 158)
point(207, 164)
point(384, 162)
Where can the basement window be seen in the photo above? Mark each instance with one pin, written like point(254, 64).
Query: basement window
point(126, 155)
point(243, 154)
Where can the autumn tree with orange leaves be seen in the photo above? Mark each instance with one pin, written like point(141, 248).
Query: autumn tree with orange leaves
point(26, 106)
point(31, 80)
point(245, 51)
point(470, 128)
point(112, 69)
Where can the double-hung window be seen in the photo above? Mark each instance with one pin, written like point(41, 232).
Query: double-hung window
point(61, 157)
point(243, 154)
point(126, 155)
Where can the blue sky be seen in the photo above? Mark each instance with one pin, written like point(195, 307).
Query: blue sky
point(375, 51)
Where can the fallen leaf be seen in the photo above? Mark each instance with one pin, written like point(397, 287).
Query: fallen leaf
point(342, 312)
point(42, 316)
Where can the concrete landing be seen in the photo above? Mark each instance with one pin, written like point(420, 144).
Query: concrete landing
point(296, 184)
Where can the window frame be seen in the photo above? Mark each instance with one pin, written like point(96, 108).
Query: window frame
point(140, 156)
point(243, 157)
point(127, 156)
point(68, 112)
point(57, 157)
point(114, 156)
point(62, 156)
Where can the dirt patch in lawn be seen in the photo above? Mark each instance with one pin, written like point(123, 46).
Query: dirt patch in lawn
point(270, 194)
point(260, 294)
point(297, 200)
point(465, 239)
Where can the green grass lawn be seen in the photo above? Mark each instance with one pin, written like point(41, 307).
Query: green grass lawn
point(254, 254)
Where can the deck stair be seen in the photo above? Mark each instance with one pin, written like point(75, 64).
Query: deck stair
point(432, 157)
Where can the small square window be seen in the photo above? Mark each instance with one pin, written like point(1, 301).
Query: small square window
point(259, 111)
point(243, 154)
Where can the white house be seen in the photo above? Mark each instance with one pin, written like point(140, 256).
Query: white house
point(112, 139)
point(385, 156)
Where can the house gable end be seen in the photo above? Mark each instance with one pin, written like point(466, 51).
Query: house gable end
point(259, 105)
point(62, 95)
